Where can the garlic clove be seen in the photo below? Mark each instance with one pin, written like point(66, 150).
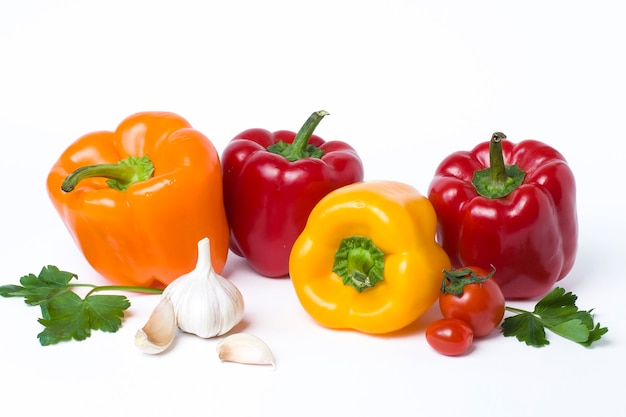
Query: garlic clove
point(205, 303)
point(158, 332)
point(245, 348)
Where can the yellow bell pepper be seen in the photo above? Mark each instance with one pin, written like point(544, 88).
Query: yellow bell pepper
point(367, 258)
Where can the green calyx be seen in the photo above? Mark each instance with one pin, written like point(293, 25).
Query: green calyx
point(300, 148)
point(455, 281)
point(359, 263)
point(120, 176)
point(499, 180)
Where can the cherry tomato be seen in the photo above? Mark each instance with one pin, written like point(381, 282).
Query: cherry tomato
point(450, 337)
point(481, 304)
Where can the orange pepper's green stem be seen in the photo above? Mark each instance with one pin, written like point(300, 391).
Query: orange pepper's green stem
point(121, 175)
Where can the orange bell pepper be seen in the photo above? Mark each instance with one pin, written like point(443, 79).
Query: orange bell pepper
point(367, 259)
point(137, 200)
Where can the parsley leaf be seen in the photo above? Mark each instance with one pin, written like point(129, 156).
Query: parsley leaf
point(527, 328)
point(38, 290)
point(557, 312)
point(65, 315)
point(71, 317)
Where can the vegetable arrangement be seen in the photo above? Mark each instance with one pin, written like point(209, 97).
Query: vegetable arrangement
point(154, 209)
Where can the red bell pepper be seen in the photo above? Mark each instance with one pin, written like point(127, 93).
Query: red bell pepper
point(512, 206)
point(272, 181)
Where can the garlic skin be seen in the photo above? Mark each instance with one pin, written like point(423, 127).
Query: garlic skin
point(205, 303)
point(246, 349)
point(158, 332)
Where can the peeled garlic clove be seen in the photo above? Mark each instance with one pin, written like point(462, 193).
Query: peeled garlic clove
point(245, 348)
point(205, 303)
point(158, 332)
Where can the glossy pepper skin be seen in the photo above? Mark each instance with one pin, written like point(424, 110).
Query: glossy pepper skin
point(529, 234)
point(367, 259)
point(272, 181)
point(146, 235)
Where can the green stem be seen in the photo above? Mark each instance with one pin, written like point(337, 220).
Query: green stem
point(300, 147)
point(130, 288)
point(516, 310)
point(120, 176)
point(115, 171)
point(498, 180)
point(303, 136)
point(359, 263)
point(454, 282)
point(496, 159)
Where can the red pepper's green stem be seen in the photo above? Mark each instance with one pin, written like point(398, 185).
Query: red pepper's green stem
point(496, 159)
point(499, 180)
point(303, 136)
point(120, 176)
point(300, 147)
point(359, 263)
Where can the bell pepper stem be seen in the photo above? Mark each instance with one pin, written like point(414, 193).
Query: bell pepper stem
point(496, 159)
point(499, 179)
point(303, 136)
point(300, 147)
point(359, 263)
point(120, 176)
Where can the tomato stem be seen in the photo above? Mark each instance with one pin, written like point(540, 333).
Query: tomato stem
point(455, 281)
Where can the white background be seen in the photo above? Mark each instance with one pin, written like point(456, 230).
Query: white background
point(406, 83)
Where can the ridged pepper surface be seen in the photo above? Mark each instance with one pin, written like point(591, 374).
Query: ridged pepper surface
point(511, 206)
point(272, 181)
point(138, 199)
point(367, 259)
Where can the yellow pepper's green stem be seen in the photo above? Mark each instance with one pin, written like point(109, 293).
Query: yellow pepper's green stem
point(359, 263)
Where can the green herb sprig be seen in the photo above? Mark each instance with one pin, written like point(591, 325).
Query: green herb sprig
point(558, 313)
point(65, 315)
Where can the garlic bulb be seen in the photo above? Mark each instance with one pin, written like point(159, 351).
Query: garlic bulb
point(205, 303)
point(158, 333)
point(245, 348)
